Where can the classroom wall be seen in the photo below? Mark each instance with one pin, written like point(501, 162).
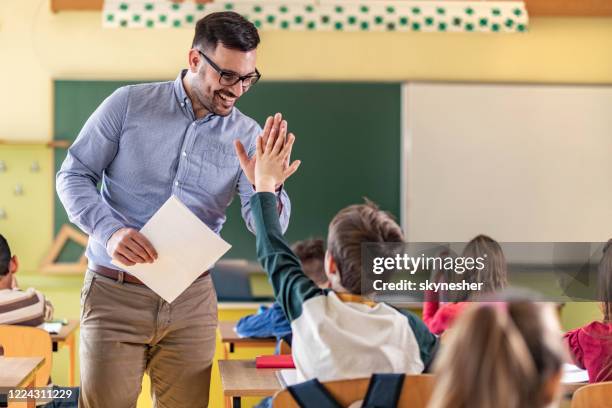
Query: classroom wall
point(522, 163)
point(38, 45)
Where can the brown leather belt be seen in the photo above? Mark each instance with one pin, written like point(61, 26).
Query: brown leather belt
point(119, 276)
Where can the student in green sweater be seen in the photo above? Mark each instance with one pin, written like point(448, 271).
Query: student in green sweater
point(336, 333)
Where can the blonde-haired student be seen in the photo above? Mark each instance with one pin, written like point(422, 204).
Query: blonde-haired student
point(502, 355)
point(336, 332)
point(494, 276)
point(591, 345)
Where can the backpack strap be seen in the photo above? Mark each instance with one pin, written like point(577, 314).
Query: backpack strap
point(383, 391)
point(312, 394)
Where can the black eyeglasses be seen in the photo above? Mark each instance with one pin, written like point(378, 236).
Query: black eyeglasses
point(230, 78)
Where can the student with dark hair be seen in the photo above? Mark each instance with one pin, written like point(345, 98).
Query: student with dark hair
point(337, 332)
point(21, 307)
point(143, 144)
point(272, 322)
point(591, 345)
point(494, 277)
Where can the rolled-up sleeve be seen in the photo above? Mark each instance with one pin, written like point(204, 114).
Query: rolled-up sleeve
point(572, 339)
point(246, 190)
point(87, 158)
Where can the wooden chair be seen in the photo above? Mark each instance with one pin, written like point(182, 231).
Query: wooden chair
point(593, 396)
point(284, 347)
point(23, 341)
point(416, 392)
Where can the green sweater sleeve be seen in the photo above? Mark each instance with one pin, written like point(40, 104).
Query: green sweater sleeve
point(291, 286)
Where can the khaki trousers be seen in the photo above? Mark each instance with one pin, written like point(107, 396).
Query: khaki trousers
point(127, 329)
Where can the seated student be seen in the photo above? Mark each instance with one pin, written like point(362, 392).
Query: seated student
point(26, 308)
point(271, 322)
point(591, 345)
point(438, 317)
point(504, 355)
point(336, 333)
point(21, 307)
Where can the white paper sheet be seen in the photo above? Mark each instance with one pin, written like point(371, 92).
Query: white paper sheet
point(287, 377)
point(51, 328)
point(185, 246)
point(573, 374)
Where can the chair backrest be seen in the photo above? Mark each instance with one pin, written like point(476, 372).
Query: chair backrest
point(284, 347)
point(593, 396)
point(416, 392)
point(23, 341)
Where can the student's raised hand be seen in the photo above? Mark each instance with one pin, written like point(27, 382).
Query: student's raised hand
point(271, 166)
point(271, 130)
point(130, 247)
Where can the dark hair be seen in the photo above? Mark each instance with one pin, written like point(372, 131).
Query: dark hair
point(5, 256)
point(353, 226)
point(228, 28)
point(605, 282)
point(312, 256)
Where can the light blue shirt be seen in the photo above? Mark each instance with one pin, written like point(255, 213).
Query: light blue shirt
point(144, 144)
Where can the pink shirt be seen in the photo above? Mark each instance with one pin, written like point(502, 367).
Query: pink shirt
point(439, 318)
point(591, 348)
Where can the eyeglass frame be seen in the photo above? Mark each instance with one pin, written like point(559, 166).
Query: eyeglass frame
point(223, 72)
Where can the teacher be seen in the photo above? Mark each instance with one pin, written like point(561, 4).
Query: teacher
point(143, 144)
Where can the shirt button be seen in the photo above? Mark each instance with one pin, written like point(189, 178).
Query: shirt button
point(184, 154)
point(183, 104)
point(176, 183)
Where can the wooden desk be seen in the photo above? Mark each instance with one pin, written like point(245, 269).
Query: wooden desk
point(240, 378)
point(66, 337)
point(568, 389)
point(19, 372)
point(230, 339)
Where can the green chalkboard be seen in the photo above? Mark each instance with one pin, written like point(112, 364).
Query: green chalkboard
point(348, 138)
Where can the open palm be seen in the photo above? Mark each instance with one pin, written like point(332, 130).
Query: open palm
point(275, 127)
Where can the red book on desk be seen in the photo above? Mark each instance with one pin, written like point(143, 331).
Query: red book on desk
point(275, 361)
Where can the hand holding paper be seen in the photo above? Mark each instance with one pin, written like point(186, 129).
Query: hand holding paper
point(130, 247)
point(185, 246)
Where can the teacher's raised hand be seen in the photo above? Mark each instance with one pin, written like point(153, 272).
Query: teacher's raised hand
point(274, 129)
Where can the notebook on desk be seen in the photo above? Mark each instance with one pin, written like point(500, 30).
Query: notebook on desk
point(275, 361)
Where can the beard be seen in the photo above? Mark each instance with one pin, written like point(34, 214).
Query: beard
point(223, 102)
point(220, 101)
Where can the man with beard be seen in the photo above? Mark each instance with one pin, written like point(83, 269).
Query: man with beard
point(145, 143)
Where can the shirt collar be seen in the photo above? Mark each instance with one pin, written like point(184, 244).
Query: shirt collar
point(183, 99)
point(348, 297)
point(179, 89)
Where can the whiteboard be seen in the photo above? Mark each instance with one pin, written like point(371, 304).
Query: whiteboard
point(522, 163)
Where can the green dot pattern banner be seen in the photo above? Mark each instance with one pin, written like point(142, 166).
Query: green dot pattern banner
point(327, 15)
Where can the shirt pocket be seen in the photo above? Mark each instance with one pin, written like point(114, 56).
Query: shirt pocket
point(218, 172)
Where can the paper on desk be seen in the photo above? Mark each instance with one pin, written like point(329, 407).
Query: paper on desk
point(287, 377)
point(52, 328)
point(185, 246)
point(574, 374)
